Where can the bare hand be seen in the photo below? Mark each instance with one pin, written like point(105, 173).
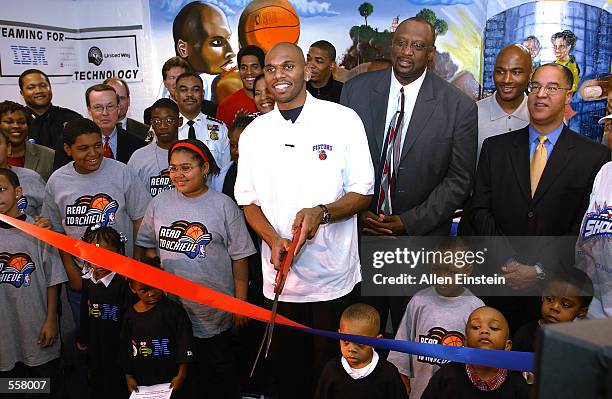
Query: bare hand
point(48, 333)
point(240, 320)
point(177, 382)
point(381, 225)
point(279, 250)
point(306, 224)
point(132, 385)
point(519, 276)
point(42, 222)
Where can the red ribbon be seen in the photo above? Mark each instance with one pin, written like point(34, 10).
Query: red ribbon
point(147, 274)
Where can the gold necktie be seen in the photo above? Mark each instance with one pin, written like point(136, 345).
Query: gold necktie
point(537, 164)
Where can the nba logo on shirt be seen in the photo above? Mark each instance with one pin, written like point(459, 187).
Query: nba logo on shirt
point(16, 269)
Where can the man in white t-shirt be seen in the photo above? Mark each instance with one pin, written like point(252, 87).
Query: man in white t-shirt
point(305, 168)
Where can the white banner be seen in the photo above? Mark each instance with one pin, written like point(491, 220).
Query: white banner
point(77, 55)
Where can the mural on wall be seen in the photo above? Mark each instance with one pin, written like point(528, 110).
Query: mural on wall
point(470, 34)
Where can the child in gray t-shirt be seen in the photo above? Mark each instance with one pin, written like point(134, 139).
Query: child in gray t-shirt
point(201, 235)
point(29, 291)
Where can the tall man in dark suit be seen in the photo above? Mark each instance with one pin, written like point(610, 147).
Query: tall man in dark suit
point(130, 125)
point(103, 106)
point(536, 181)
point(425, 171)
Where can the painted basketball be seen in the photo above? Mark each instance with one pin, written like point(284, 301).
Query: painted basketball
point(194, 232)
point(452, 340)
point(18, 262)
point(264, 23)
point(99, 202)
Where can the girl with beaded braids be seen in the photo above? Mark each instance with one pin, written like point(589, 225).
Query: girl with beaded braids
point(105, 297)
point(201, 235)
point(563, 44)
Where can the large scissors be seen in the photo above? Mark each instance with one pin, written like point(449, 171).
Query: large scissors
point(279, 284)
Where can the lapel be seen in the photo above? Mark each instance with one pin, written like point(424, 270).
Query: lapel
point(121, 145)
point(31, 156)
point(423, 108)
point(378, 109)
point(555, 164)
point(519, 157)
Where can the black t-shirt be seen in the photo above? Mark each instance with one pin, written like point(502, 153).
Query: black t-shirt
point(451, 381)
point(524, 338)
point(330, 92)
point(48, 128)
point(384, 382)
point(291, 114)
point(102, 310)
point(155, 342)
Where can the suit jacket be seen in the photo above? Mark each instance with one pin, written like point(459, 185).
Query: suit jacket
point(208, 108)
point(39, 158)
point(126, 145)
point(502, 203)
point(438, 157)
point(137, 129)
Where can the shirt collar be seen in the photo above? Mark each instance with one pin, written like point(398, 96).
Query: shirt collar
point(413, 86)
point(497, 112)
point(88, 274)
point(490, 384)
point(553, 136)
point(112, 135)
point(198, 119)
point(310, 100)
point(363, 372)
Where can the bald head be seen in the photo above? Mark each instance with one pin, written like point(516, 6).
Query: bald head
point(286, 48)
point(285, 73)
point(511, 75)
point(487, 328)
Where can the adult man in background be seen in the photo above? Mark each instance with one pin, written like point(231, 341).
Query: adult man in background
point(422, 133)
point(48, 120)
point(130, 125)
point(321, 61)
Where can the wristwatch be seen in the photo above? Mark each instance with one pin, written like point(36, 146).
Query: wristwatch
point(326, 216)
point(540, 273)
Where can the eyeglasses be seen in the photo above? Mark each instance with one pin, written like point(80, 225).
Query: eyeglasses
point(169, 121)
point(183, 168)
point(414, 46)
point(560, 47)
point(549, 90)
point(98, 109)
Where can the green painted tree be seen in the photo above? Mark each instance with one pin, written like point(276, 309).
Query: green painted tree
point(365, 10)
point(440, 25)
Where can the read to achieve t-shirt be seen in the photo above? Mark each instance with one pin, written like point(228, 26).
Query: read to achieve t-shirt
point(111, 196)
point(27, 267)
point(150, 163)
point(197, 239)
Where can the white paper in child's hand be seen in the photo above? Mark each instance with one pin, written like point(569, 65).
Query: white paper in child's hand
point(159, 391)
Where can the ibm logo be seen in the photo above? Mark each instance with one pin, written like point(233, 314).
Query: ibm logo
point(24, 55)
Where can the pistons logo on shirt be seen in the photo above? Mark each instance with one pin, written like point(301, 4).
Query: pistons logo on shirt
point(598, 223)
point(90, 210)
point(440, 336)
point(189, 238)
point(160, 183)
point(321, 150)
point(16, 269)
point(22, 204)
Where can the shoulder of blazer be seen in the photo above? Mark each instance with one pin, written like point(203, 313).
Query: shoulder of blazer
point(584, 142)
point(370, 78)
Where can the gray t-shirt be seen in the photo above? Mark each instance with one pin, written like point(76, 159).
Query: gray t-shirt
point(150, 163)
point(431, 319)
point(33, 187)
point(111, 196)
point(27, 267)
point(197, 239)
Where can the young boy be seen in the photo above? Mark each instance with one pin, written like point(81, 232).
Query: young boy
point(486, 328)
point(566, 297)
point(359, 372)
point(434, 315)
point(150, 162)
point(156, 338)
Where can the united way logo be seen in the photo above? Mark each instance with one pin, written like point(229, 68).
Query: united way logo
point(94, 56)
point(89, 210)
point(321, 150)
point(598, 223)
point(190, 238)
point(16, 269)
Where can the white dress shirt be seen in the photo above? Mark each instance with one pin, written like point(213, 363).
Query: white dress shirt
point(211, 132)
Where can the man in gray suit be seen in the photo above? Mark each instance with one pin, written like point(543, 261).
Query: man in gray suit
point(426, 171)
